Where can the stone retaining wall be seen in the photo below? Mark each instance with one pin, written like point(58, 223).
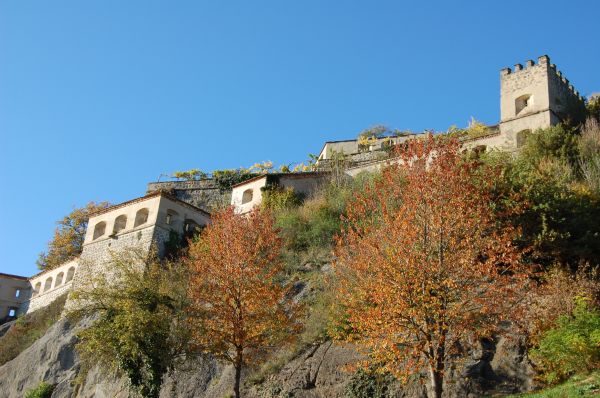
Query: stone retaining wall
point(205, 194)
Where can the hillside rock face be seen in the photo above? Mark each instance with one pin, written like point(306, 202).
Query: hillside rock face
point(320, 371)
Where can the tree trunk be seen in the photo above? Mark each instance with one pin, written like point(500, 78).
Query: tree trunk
point(437, 380)
point(238, 374)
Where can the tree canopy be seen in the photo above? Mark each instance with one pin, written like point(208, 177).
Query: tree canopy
point(69, 235)
point(238, 307)
point(424, 262)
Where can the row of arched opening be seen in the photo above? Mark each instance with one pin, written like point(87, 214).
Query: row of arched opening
point(141, 217)
point(60, 279)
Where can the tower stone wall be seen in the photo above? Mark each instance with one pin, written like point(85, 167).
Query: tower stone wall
point(535, 96)
point(205, 194)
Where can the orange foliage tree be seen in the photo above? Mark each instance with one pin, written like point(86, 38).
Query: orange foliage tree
point(238, 308)
point(425, 261)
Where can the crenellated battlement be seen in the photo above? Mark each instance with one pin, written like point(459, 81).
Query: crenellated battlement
point(543, 63)
point(534, 96)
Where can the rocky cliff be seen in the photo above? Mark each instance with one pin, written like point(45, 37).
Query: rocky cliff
point(495, 367)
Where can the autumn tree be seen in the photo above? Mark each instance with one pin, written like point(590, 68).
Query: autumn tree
point(69, 235)
point(135, 309)
point(238, 307)
point(425, 261)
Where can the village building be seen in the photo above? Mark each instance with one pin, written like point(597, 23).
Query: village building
point(145, 223)
point(249, 194)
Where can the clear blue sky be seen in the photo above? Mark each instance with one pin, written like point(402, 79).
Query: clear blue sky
point(99, 98)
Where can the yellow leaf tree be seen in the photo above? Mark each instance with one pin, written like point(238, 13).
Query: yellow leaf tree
point(67, 242)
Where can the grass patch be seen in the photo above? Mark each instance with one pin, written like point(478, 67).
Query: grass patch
point(577, 386)
point(43, 390)
point(28, 328)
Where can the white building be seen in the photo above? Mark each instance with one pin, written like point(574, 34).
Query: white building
point(141, 223)
point(248, 194)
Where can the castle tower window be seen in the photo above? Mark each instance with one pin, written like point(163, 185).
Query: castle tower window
point(12, 312)
point(522, 102)
point(17, 293)
point(36, 290)
point(70, 274)
point(171, 217)
point(141, 217)
point(48, 284)
point(247, 196)
point(99, 230)
point(59, 279)
point(120, 224)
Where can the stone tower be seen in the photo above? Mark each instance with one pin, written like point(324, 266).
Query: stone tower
point(137, 224)
point(535, 96)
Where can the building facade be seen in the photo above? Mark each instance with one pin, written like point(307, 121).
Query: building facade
point(249, 194)
point(145, 223)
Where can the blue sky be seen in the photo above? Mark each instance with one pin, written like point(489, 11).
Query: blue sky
point(99, 98)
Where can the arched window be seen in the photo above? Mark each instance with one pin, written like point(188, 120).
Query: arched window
point(36, 290)
point(522, 102)
point(99, 229)
point(140, 217)
point(171, 217)
point(120, 223)
point(247, 196)
point(70, 274)
point(59, 279)
point(48, 284)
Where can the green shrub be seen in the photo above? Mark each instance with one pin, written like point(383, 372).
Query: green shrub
point(589, 153)
point(557, 142)
point(43, 390)
point(277, 198)
point(474, 129)
point(573, 346)
point(593, 108)
point(560, 209)
point(313, 224)
point(225, 179)
point(28, 328)
point(369, 384)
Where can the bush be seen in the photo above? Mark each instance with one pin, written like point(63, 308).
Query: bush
point(557, 142)
point(43, 390)
point(28, 328)
point(593, 108)
point(313, 224)
point(225, 179)
point(369, 384)
point(559, 209)
point(573, 346)
point(278, 198)
point(589, 152)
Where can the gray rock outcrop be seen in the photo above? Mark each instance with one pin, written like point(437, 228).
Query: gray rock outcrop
point(493, 367)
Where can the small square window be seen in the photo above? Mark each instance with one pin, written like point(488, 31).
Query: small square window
point(12, 312)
